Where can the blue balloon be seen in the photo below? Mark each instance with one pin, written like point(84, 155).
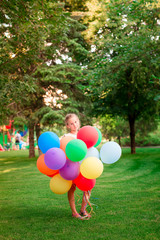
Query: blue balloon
point(48, 140)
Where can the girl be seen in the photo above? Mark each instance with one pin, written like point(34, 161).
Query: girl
point(72, 123)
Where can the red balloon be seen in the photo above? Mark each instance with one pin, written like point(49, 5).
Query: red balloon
point(83, 183)
point(53, 174)
point(89, 135)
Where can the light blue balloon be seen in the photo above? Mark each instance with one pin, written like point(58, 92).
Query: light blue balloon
point(110, 152)
point(91, 152)
point(48, 140)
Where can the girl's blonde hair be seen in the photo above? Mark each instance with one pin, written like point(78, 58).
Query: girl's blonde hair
point(70, 115)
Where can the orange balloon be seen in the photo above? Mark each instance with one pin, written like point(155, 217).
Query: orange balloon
point(43, 168)
point(64, 141)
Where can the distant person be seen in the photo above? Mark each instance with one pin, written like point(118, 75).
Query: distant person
point(17, 140)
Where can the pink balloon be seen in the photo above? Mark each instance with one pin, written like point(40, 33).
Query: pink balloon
point(70, 170)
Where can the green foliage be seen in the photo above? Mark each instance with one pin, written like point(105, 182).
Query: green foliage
point(75, 5)
point(25, 29)
point(113, 127)
point(19, 122)
point(145, 126)
point(146, 134)
point(52, 118)
point(152, 139)
point(36, 35)
point(125, 73)
point(94, 19)
point(127, 58)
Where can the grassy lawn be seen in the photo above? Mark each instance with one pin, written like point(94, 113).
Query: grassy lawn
point(125, 197)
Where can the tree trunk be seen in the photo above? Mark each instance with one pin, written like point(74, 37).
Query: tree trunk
point(38, 133)
point(132, 134)
point(31, 141)
point(119, 140)
point(3, 139)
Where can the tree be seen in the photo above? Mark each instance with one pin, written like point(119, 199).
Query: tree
point(125, 73)
point(75, 5)
point(94, 19)
point(113, 127)
point(33, 37)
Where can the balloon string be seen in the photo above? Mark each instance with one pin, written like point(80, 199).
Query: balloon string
point(87, 195)
point(94, 203)
point(78, 199)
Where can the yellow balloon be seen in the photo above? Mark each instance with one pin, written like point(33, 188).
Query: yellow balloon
point(59, 185)
point(91, 168)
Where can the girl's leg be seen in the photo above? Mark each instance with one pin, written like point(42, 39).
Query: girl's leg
point(72, 202)
point(85, 201)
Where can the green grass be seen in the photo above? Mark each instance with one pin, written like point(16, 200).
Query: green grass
point(125, 198)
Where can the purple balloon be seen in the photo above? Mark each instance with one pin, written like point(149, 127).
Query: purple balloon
point(55, 158)
point(70, 170)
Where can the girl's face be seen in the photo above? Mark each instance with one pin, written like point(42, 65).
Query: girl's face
point(73, 124)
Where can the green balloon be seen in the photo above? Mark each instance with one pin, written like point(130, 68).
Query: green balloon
point(99, 137)
point(76, 150)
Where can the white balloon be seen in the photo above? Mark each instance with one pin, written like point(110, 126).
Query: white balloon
point(91, 152)
point(110, 152)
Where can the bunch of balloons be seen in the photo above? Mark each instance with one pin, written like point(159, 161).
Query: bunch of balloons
point(69, 160)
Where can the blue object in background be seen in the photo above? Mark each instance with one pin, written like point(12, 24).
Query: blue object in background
point(48, 140)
